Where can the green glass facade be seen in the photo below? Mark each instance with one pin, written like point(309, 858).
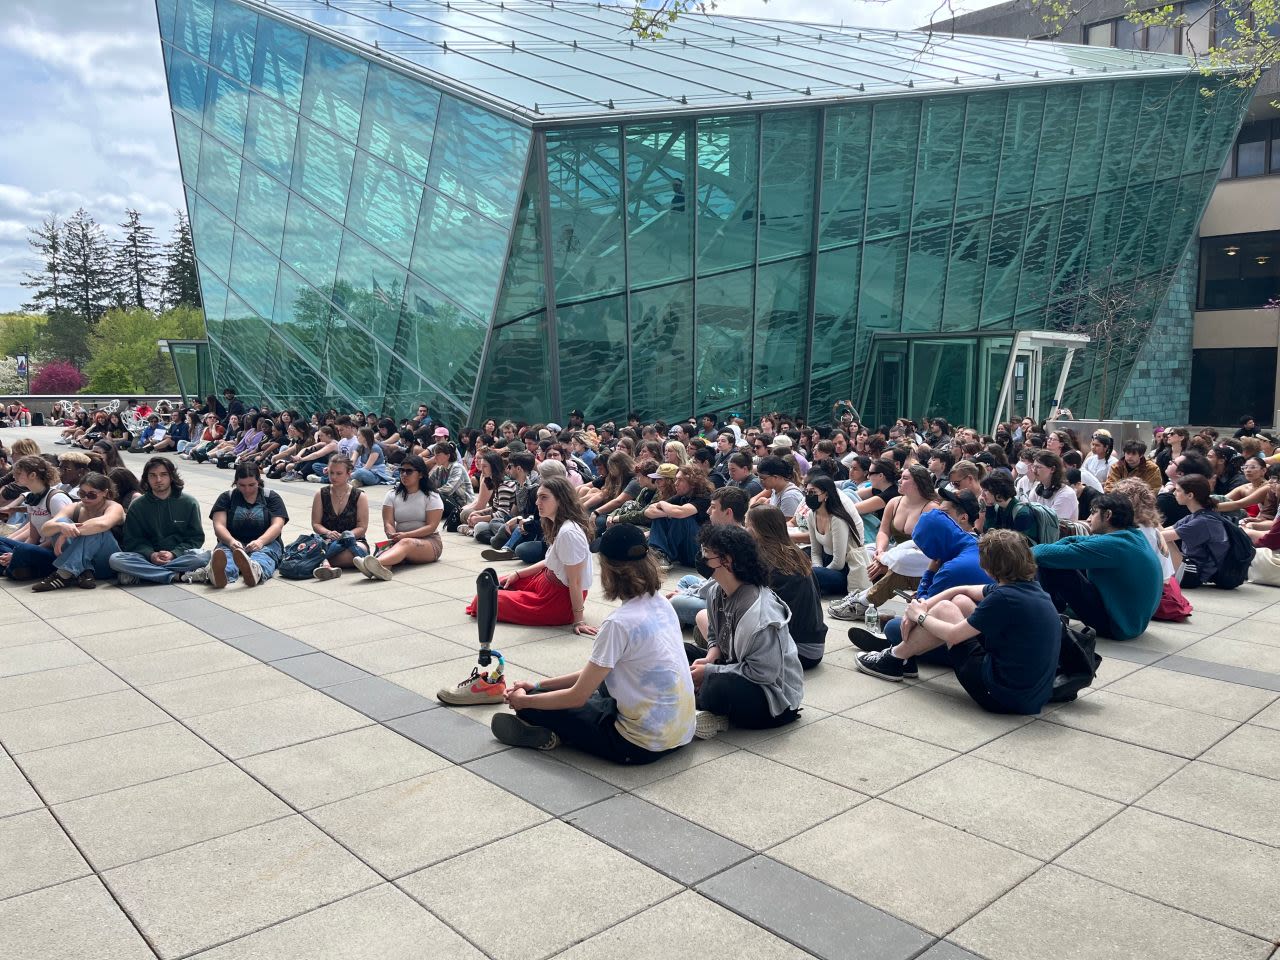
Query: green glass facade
point(366, 238)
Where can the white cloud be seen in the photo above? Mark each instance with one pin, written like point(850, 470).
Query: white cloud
point(101, 61)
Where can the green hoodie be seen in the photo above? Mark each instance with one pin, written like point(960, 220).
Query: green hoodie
point(171, 524)
point(1123, 567)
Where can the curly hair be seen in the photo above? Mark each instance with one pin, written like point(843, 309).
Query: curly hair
point(41, 468)
point(734, 544)
point(1143, 499)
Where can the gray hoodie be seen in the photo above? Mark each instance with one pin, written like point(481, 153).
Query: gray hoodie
point(759, 648)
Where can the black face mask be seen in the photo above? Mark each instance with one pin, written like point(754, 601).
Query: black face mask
point(811, 499)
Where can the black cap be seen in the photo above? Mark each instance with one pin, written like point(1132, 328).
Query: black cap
point(963, 499)
point(577, 413)
point(622, 542)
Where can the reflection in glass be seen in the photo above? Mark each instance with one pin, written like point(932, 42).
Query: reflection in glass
point(662, 351)
point(279, 58)
point(440, 339)
point(725, 198)
point(505, 384)
point(225, 108)
point(789, 147)
point(458, 251)
point(399, 120)
point(584, 187)
point(270, 135)
point(253, 274)
point(311, 243)
point(384, 206)
point(659, 218)
point(722, 365)
point(322, 167)
point(846, 143)
point(593, 350)
point(234, 33)
point(782, 321)
point(477, 158)
point(334, 88)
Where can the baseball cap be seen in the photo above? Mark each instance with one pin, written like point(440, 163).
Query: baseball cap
point(782, 441)
point(666, 471)
point(621, 542)
point(554, 427)
point(441, 432)
point(963, 499)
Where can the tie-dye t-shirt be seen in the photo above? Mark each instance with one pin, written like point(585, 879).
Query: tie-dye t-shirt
point(641, 645)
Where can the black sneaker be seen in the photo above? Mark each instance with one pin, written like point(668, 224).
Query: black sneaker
point(509, 729)
point(881, 664)
point(864, 639)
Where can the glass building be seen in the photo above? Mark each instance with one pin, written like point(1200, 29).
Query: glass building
point(517, 208)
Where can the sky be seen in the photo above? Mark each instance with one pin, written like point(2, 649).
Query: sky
point(85, 117)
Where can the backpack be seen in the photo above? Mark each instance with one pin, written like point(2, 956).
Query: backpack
point(302, 557)
point(1045, 528)
point(1077, 662)
point(1234, 568)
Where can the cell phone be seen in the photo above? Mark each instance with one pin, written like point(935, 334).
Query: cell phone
point(906, 595)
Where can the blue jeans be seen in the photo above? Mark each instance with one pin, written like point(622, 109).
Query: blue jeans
point(677, 538)
point(346, 542)
point(831, 581)
point(136, 565)
point(268, 559)
point(28, 559)
point(938, 655)
point(531, 551)
point(687, 605)
point(367, 477)
point(92, 552)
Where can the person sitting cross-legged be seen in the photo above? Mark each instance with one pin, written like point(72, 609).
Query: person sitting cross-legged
point(728, 505)
point(83, 537)
point(247, 520)
point(163, 531)
point(674, 523)
point(1002, 639)
point(411, 515)
point(633, 701)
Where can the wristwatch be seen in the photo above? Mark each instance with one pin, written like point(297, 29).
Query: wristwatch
point(920, 619)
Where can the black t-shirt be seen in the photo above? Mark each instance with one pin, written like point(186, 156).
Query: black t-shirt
point(1021, 633)
point(703, 504)
point(248, 521)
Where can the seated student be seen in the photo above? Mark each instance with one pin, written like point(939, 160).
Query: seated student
point(163, 531)
point(1102, 455)
point(1110, 579)
point(741, 472)
point(1134, 463)
point(521, 467)
point(633, 702)
point(618, 484)
point(1226, 462)
point(1147, 519)
point(83, 537)
point(777, 477)
point(27, 553)
point(72, 467)
point(313, 457)
point(116, 433)
point(150, 435)
point(450, 481)
point(728, 505)
point(1256, 497)
point(1199, 538)
point(1002, 638)
point(234, 431)
point(412, 512)
point(1073, 460)
point(553, 591)
point(674, 523)
point(791, 577)
point(1265, 568)
point(750, 674)
point(489, 471)
point(247, 522)
point(836, 545)
point(1051, 487)
point(1185, 464)
point(340, 514)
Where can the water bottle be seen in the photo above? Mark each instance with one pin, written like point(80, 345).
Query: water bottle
point(872, 619)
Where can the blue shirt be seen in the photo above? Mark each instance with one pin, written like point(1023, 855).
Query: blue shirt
point(1022, 634)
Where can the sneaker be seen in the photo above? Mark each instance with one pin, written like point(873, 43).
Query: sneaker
point(315, 478)
point(358, 563)
point(290, 476)
point(326, 573)
point(356, 484)
point(864, 639)
point(195, 576)
point(465, 530)
point(255, 569)
point(127, 580)
point(499, 554)
point(850, 608)
point(473, 690)
point(245, 566)
point(880, 664)
point(663, 561)
point(215, 574)
point(511, 730)
point(51, 582)
point(86, 580)
point(375, 569)
point(707, 724)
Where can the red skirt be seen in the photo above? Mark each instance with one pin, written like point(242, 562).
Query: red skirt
point(537, 601)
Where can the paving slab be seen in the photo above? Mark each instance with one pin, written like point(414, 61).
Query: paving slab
point(933, 718)
point(556, 787)
point(1236, 653)
point(35, 853)
point(1227, 800)
point(123, 644)
point(69, 721)
point(271, 724)
point(1250, 748)
point(93, 623)
point(345, 631)
point(56, 686)
point(1169, 729)
point(1270, 717)
point(43, 655)
point(269, 645)
point(16, 795)
point(211, 692)
point(629, 777)
point(190, 661)
point(1242, 676)
point(449, 734)
point(379, 699)
point(72, 921)
point(1197, 693)
point(319, 669)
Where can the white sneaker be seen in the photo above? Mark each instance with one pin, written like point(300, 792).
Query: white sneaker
point(850, 607)
point(216, 572)
point(195, 576)
point(314, 478)
point(358, 563)
point(326, 573)
point(375, 569)
point(256, 576)
point(707, 724)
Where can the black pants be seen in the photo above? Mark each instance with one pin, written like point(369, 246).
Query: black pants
point(1071, 588)
point(592, 730)
point(734, 696)
point(967, 659)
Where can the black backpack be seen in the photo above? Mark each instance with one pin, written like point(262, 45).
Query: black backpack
point(1234, 568)
point(1077, 662)
point(302, 557)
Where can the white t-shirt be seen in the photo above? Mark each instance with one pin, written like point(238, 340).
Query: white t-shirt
point(570, 547)
point(1063, 502)
point(789, 499)
point(641, 645)
point(50, 504)
point(1089, 479)
point(1166, 563)
point(1098, 467)
point(411, 511)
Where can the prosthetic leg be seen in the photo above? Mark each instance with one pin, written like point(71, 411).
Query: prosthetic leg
point(487, 682)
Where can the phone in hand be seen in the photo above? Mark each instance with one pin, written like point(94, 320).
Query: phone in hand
point(905, 595)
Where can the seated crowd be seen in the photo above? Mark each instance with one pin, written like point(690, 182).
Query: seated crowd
point(991, 541)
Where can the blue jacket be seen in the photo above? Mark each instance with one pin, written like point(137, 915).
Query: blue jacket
point(939, 538)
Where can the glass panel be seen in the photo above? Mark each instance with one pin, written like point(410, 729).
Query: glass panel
point(1107, 211)
point(1130, 36)
point(270, 136)
point(593, 350)
point(406, 389)
point(980, 158)
point(166, 10)
point(941, 378)
point(311, 244)
point(1178, 121)
point(1162, 39)
point(253, 274)
point(478, 158)
point(261, 208)
point(1098, 34)
point(662, 351)
point(1037, 256)
point(789, 149)
point(334, 88)
point(782, 323)
point(585, 189)
point(659, 178)
point(845, 145)
point(725, 198)
point(292, 380)
point(234, 32)
point(1133, 222)
point(186, 86)
point(1199, 29)
point(1000, 291)
point(723, 361)
point(213, 294)
point(1275, 146)
point(1018, 154)
point(244, 338)
point(399, 120)
point(1126, 100)
point(884, 272)
point(1091, 134)
point(188, 137)
point(193, 26)
point(926, 280)
point(459, 252)
point(506, 385)
point(1073, 242)
point(1061, 106)
point(941, 135)
point(966, 267)
point(523, 290)
point(1251, 150)
point(356, 363)
point(384, 206)
point(1164, 200)
point(441, 340)
point(301, 316)
point(219, 179)
point(1151, 127)
point(1239, 272)
point(369, 288)
point(279, 56)
point(322, 167)
point(225, 109)
point(895, 131)
point(835, 317)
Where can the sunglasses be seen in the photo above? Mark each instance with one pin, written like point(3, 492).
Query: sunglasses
point(88, 496)
point(404, 470)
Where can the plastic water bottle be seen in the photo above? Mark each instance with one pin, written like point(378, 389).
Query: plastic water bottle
point(872, 619)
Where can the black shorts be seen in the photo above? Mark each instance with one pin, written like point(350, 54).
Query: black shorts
point(968, 659)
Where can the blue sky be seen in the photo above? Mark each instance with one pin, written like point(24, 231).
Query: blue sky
point(86, 119)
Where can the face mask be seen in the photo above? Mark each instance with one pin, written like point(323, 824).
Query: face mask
point(812, 500)
point(1022, 469)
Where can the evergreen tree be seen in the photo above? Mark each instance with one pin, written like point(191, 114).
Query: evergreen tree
point(181, 284)
point(136, 264)
point(88, 265)
point(49, 284)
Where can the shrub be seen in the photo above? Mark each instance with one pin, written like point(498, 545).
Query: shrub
point(57, 377)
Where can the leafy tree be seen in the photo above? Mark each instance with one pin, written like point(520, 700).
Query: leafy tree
point(22, 333)
point(66, 336)
point(124, 356)
point(10, 382)
point(88, 268)
point(58, 377)
point(49, 284)
point(181, 283)
point(137, 265)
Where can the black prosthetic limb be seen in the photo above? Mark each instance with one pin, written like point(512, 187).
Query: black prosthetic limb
point(487, 620)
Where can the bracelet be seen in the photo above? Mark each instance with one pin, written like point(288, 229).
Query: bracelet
point(537, 687)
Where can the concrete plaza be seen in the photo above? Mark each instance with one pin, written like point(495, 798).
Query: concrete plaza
point(265, 773)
